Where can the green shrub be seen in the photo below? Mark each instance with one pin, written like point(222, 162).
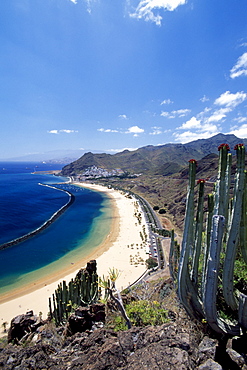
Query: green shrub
point(142, 313)
point(151, 263)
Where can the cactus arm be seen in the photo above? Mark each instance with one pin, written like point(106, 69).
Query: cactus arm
point(211, 278)
point(198, 235)
point(186, 290)
point(242, 310)
point(209, 299)
point(233, 233)
point(243, 223)
point(222, 182)
point(171, 256)
point(228, 184)
point(208, 236)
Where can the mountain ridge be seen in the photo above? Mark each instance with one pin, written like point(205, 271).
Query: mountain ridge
point(150, 158)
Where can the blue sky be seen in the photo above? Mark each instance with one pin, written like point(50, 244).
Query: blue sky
point(108, 75)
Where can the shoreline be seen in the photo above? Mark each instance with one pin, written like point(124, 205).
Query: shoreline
point(121, 249)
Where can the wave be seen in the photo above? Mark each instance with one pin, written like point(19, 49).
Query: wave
point(46, 223)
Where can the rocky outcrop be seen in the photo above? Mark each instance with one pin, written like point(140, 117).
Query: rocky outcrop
point(84, 318)
point(147, 348)
point(174, 345)
point(22, 325)
point(86, 343)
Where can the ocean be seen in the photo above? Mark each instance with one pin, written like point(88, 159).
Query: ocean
point(25, 205)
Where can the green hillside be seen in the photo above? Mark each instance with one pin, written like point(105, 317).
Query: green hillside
point(168, 158)
point(163, 171)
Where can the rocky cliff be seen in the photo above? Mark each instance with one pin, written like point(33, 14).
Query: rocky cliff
point(177, 344)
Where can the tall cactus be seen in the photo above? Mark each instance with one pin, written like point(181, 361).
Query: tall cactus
point(234, 229)
point(83, 290)
point(225, 230)
point(186, 290)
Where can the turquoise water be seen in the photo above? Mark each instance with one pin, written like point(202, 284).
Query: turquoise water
point(25, 205)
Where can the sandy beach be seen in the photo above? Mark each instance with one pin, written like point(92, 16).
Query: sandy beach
point(122, 249)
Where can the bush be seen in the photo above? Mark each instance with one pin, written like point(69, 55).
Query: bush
point(162, 210)
point(151, 263)
point(143, 313)
point(156, 208)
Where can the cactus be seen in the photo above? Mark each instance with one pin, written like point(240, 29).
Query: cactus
point(83, 290)
point(225, 231)
point(186, 290)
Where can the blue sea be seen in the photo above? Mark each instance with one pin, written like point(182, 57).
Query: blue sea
point(25, 205)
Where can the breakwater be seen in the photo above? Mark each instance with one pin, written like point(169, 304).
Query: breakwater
point(46, 223)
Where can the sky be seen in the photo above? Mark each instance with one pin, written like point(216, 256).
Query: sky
point(109, 75)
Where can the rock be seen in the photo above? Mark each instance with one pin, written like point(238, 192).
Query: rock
point(84, 317)
point(210, 365)
point(207, 349)
point(90, 269)
point(97, 311)
point(79, 321)
point(237, 358)
point(239, 345)
point(22, 325)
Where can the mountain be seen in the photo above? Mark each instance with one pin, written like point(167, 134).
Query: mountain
point(166, 159)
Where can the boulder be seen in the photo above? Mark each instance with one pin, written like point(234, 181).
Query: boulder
point(210, 365)
point(22, 325)
point(79, 321)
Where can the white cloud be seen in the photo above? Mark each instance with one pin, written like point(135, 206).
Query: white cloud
point(165, 114)
point(121, 150)
point(88, 4)
point(176, 113)
point(53, 132)
point(240, 119)
point(145, 9)
point(218, 115)
point(61, 131)
point(123, 116)
point(107, 130)
point(240, 68)
point(192, 123)
point(201, 115)
point(231, 100)
point(195, 129)
point(188, 136)
point(166, 101)
point(240, 131)
point(156, 131)
point(181, 112)
point(134, 130)
point(131, 130)
point(207, 123)
point(204, 99)
point(210, 128)
point(68, 131)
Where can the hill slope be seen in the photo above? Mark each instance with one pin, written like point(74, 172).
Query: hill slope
point(166, 159)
